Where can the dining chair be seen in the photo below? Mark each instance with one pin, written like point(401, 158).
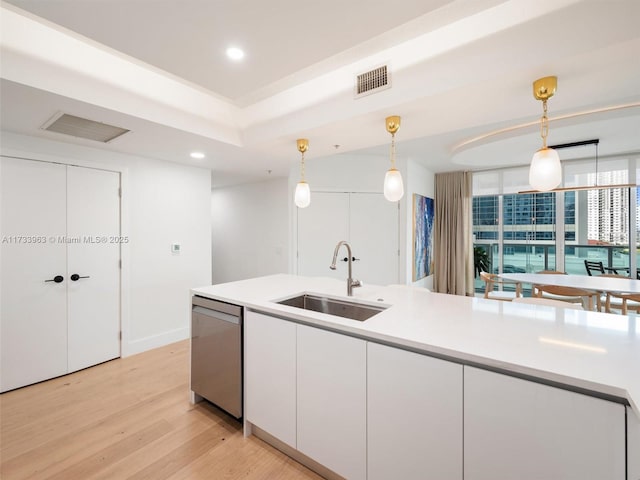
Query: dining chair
point(623, 302)
point(607, 302)
point(534, 292)
point(548, 301)
point(492, 280)
point(569, 295)
point(593, 266)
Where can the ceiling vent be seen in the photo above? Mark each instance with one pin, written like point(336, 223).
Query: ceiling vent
point(372, 81)
point(83, 128)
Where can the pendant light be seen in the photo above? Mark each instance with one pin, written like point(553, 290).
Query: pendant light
point(393, 188)
point(545, 172)
point(596, 185)
point(302, 197)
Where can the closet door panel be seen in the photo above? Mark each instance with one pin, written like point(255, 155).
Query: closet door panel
point(320, 227)
point(94, 302)
point(374, 238)
point(33, 311)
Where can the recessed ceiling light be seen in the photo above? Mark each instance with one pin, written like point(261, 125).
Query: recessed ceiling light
point(235, 53)
point(198, 155)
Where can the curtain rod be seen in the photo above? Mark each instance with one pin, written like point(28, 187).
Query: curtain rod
point(583, 187)
point(581, 143)
point(572, 160)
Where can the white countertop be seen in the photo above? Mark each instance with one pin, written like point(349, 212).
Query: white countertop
point(595, 351)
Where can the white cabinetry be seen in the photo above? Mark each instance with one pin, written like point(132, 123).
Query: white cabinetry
point(332, 403)
point(514, 428)
point(270, 375)
point(414, 415)
point(633, 445)
point(368, 411)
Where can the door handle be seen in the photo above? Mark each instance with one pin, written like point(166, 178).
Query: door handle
point(57, 279)
point(75, 277)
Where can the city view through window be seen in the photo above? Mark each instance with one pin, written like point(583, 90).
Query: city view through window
point(521, 233)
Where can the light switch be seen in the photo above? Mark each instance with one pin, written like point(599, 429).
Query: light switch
point(175, 248)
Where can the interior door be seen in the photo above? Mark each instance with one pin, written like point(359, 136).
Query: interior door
point(373, 234)
point(93, 225)
point(33, 251)
point(320, 227)
point(366, 220)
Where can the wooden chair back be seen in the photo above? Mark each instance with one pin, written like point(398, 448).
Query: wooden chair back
point(492, 279)
point(625, 298)
point(534, 291)
point(571, 293)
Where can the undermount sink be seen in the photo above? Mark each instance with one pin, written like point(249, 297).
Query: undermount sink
point(332, 306)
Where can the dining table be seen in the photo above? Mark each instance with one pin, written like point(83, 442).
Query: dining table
point(596, 282)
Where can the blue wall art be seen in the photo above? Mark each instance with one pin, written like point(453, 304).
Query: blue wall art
point(422, 236)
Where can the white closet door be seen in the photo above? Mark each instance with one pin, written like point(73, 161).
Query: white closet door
point(320, 227)
point(93, 206)
point(366, 220)
point(33, 312)
point(374, 238)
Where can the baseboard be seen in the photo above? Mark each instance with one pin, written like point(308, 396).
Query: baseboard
point(155, 341)
point(299, 457)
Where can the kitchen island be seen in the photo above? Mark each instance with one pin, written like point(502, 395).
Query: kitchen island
point(439, 385)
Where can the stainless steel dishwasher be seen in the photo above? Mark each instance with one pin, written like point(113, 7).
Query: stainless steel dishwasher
point(216, 353)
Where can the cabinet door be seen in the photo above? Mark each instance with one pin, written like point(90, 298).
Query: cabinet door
point(332, 401)
point(270, 375)
point(373, 233)
point(93, 218)
point(320, 227)
point(33, 311)
point(633, 444)
point(414, 416)
point(514, 428)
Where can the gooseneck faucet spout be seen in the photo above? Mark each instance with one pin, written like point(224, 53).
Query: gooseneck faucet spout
point(351, 283)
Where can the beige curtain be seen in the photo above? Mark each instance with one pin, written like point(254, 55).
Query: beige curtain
point(452, 234)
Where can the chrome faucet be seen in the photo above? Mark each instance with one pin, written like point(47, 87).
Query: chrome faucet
point(351, 283)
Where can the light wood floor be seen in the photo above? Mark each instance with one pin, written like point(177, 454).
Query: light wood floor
point(129, 419)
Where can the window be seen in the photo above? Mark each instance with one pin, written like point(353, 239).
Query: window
point(523, 232)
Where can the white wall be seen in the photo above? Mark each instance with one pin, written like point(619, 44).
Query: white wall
point(250, 233)
point(418, 180)
point(162, 203)
point(169, 204)
point(344, 173)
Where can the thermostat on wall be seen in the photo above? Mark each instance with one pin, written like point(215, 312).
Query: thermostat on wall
point(175, 248)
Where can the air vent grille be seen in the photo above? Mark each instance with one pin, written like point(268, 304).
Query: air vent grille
point(83, 128)
point(372, 81)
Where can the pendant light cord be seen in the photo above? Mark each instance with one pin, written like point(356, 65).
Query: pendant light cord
point(544, 124)
point(393, 151)
point(302, 168)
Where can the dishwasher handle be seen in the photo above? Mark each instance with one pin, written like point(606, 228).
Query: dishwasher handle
point(225, 317)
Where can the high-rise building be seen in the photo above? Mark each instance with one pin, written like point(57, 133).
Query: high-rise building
point(525, 217)
point(608, 210)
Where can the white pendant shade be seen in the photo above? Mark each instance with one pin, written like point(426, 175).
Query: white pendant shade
point(302, 197)
point(545, 172)
point(393, 188)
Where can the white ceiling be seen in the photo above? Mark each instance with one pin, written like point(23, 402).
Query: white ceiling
point(459, 70)
point(188, 38)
